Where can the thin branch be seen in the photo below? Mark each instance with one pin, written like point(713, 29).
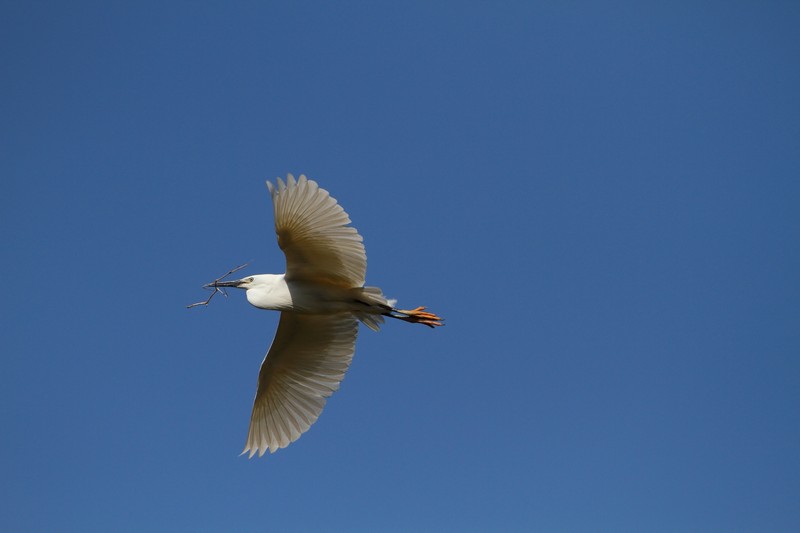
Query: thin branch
point(214, 288)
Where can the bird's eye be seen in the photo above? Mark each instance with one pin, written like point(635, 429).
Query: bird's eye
point(249, 280)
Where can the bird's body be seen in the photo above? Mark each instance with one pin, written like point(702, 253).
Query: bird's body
point(321, 298)
point(275, 293)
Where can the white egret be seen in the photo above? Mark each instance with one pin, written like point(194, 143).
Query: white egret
point(321, 298)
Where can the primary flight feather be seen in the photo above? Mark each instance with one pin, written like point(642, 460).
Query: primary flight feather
point(321, 298)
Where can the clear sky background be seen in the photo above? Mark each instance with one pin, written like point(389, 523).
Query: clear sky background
point(603, 199)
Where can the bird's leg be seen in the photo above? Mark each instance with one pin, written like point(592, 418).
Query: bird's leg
point(417, 316)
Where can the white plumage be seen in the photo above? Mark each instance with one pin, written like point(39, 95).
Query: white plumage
point(321, 298)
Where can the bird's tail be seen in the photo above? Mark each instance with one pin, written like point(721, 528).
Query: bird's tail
point(377, 305)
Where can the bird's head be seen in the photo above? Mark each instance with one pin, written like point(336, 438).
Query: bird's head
point(265, 291)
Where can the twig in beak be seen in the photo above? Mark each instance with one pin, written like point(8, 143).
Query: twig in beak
point(216, 289)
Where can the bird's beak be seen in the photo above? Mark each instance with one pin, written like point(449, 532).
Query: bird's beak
point(216, 284)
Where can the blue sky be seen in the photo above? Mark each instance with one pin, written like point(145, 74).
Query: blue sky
point(601, 198)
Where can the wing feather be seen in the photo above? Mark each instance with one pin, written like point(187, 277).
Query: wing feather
point(314, 235)
point(304, 366)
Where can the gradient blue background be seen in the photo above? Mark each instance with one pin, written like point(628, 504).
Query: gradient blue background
point(601, 198)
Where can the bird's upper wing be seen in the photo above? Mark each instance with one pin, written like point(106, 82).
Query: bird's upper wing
point(314, 234)
point(304, 366)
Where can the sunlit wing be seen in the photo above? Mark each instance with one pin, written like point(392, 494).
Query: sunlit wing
point(304, 366)
point(314, 234)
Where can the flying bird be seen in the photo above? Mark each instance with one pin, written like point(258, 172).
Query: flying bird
point(322, 299)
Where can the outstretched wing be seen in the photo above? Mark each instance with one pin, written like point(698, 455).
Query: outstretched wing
point(304, 366)
point(314, 234)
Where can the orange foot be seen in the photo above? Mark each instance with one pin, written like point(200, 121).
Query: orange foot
point(419, 316)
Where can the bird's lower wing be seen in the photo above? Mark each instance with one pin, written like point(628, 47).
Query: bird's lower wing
point(304, 366)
